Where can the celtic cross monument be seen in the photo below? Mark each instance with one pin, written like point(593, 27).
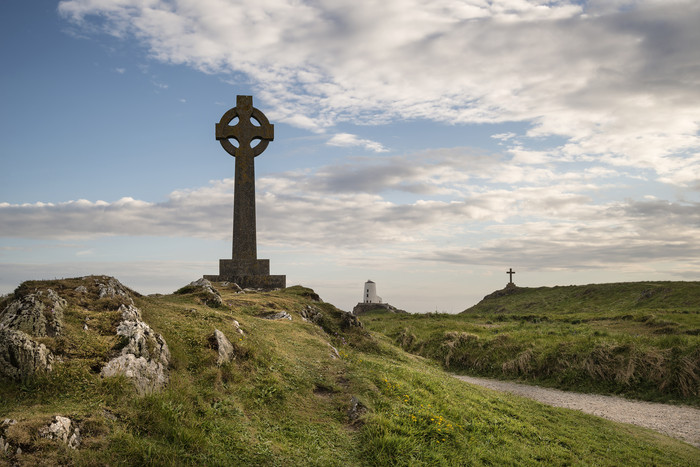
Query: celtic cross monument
point(239, 123)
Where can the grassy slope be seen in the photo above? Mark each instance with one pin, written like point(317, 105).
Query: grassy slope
point(284, 400)
point(636, 339)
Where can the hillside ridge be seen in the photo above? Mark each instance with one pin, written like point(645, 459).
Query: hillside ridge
point(260, 378)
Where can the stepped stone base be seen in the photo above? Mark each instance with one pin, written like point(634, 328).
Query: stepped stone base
point(253, 274)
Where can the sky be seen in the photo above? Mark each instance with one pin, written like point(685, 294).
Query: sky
point(427, 145)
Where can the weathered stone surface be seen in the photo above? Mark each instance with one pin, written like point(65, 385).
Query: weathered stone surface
point(145, 357)
point(212, 296)
point(21, 356)
point(244, 268)
point(235, 287)
point(39, 314)
point(109, 287)
point(62, 429)
point(275, 316)
point(223, 346)
point(357, 409)
point(311, 314)
point(350, 321)
point(334, 354)
point(238, 327)
point(5, 446)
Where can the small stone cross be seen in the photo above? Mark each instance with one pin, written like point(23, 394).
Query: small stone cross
point(510, 272)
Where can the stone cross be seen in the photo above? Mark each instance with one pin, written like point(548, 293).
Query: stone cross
point(245, 124)
point(244, 132)
point(510, 273)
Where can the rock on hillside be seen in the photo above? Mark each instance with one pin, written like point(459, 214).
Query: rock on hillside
point(34, 334)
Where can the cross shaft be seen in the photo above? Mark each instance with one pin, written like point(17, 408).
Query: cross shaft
point(244, 244)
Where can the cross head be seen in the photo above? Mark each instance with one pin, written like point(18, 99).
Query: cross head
point(244, 131)
point(510, 272)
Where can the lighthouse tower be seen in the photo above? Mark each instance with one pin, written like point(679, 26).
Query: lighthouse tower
point(370, 294)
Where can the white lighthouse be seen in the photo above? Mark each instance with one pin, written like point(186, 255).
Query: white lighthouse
point(370, 294)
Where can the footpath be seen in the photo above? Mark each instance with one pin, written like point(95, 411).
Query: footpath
point(677, 421)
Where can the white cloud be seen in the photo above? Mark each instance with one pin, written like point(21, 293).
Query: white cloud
point(347, 139)
point(546, 220)
point(617, 80)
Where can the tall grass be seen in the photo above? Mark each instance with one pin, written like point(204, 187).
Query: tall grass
point(639, 339)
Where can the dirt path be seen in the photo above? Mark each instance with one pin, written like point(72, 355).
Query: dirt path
point(680, 422)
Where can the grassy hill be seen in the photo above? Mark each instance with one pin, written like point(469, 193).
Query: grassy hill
point(315, 391)
point(640, 340)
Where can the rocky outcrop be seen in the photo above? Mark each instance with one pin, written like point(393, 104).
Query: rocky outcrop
point(6, 448)
point(276, 316)
point(62, 429)
point(223, 346)
point(311, 314)
point(350, 321)
point(21, 356)
point(112, 288)
point(362, 308)
point(38, 314)
point(205, 291)
point(144, 358)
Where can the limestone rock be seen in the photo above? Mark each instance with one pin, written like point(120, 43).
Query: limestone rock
point(21, 356)
point(335, 354)
point(62, 429)
point(81, 289)
point(233, 286)
point(212, 296)
point(5, 446)
point(311, 313)
point(39, 314)
point(238, 327)
point(275, 316)
point(220, 343)
point(109, 287)
point(148, 376)
point(350, 321)
point(145, 357)
point(357, 409)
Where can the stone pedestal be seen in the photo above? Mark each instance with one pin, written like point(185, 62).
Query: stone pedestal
point(248, 274)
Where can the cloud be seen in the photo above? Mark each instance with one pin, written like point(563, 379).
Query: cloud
point(617, 80)
point(419, 206)
point(347, 139)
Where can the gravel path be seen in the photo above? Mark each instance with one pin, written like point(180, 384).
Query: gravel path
point(680, 422)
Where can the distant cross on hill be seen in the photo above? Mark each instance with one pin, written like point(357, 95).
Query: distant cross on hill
point(510, 273)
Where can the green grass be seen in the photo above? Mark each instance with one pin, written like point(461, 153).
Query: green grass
point(640, 340)
point(284, 400)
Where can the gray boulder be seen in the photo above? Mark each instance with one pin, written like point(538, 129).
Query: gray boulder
point(276, 316)
point(21, 356)
point(145, 357)
point(311, 313)
point(62, 429)
point(212, 296)
point(109, 287)
point(223, 346)
point(39, 314)
point(357, 409)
